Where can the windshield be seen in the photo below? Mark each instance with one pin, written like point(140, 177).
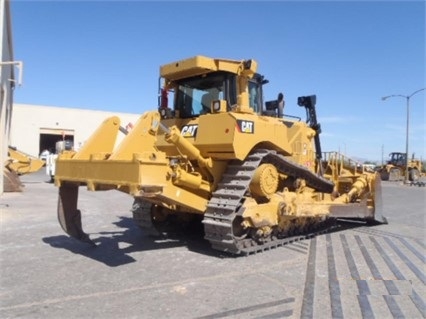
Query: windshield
point(194, 96)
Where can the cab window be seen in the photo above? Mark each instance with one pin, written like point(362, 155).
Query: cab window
point(193, 96)
point(254, 97)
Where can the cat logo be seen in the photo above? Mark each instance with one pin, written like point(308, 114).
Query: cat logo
point(189, 130)
point(245, 126)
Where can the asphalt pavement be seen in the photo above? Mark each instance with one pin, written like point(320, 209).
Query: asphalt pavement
point(355, 272)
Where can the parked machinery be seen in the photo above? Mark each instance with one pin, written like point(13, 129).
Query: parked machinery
point(254, 179)
point(18, 163)
point(397, 166)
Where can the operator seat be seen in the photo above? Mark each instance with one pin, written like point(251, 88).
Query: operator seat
point(206, 102)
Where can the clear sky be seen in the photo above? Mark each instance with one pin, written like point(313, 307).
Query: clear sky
point(105, 55)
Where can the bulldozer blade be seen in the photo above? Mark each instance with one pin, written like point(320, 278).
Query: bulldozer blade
point(372, 213)
point(69, 216)
point(378, 202)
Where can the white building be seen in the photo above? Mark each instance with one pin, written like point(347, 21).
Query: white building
point(36, 128)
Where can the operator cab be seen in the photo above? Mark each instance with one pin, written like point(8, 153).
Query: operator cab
point(193, 96)
point(398, 159)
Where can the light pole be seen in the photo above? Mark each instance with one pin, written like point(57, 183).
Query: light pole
point(407, 97)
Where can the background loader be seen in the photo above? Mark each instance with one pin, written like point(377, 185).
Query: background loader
point(396, 167)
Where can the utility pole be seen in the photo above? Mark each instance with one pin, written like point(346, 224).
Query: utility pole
point(407, 98)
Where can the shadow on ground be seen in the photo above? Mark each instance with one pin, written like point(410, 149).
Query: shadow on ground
point(115, 248)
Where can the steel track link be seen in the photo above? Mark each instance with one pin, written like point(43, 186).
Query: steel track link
point(141, 211)
point(226, 200)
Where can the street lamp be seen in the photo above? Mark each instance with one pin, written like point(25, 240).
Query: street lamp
point(407, 97)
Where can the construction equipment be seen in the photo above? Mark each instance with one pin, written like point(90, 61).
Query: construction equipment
point(396, 167)
point(18, 163)
point(254, 179)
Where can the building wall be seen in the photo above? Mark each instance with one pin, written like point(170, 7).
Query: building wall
point(30, 120)
point(6, 83)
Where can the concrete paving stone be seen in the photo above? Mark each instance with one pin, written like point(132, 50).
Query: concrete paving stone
point(364, 271)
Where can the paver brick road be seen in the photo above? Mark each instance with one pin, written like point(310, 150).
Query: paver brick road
point(355, 272)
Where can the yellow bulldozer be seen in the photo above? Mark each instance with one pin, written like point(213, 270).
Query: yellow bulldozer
point(397, 167)
point(18, 163)
point(223, 157)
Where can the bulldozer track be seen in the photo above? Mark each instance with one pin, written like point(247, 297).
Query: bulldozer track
point(291, 168)
point(222, 209)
